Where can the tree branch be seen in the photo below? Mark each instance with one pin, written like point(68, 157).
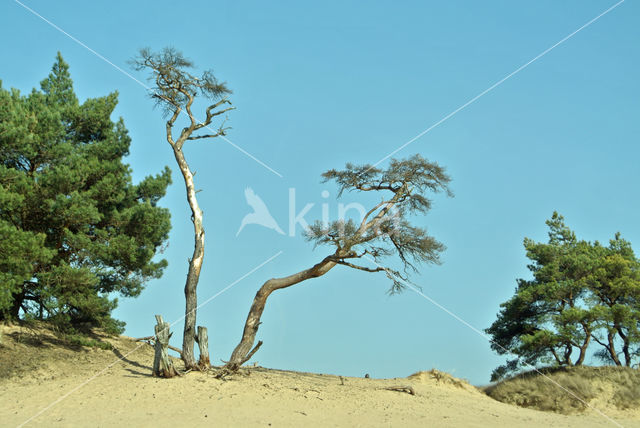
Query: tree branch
point(211, 115)
point(150, 339)
point(253, 351)
point(362, 228)
point(170, 123)
point(376, 220)
point(198, 137)
point(364, 268)
point(221, 131)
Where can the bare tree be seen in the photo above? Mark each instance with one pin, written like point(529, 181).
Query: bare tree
point(175, 90)
point(384, 231)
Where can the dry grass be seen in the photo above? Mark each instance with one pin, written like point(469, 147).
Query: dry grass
point(26, 346)
point(440, 378)
point(616, 386)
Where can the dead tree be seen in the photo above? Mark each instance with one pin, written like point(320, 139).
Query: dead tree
point(175, 91)
point(203, 345)
point(384, 231)
point(162, 365)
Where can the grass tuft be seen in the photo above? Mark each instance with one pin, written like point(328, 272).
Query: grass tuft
point(81, 340)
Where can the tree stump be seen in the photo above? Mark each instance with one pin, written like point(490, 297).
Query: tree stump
point(203, 344)
point(162, 365)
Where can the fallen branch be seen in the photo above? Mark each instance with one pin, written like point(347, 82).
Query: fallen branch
point(141, 339)
point(407, 389)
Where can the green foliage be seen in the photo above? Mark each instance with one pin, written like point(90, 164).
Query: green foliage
point(581, 293)
point(73, 227)
point(83, 340)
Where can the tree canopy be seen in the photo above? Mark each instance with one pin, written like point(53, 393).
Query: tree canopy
point(386, 230)
point(582, 293)
point(73, 227)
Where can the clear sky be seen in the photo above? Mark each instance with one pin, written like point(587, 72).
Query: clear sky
point(320, 84)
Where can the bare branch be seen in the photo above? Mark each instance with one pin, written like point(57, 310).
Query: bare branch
point(376, 220)
point(150, 340)
point(198, 137)
point(253, 351)
point(211, 115)
point(364, 268)
point(221, 131)
point(362, 228)
point(170, 123)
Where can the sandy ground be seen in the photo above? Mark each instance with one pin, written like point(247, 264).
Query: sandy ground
point(87, 387)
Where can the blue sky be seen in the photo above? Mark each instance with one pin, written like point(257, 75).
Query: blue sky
point(318, 85)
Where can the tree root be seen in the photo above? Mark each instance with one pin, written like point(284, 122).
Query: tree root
point(230, 368)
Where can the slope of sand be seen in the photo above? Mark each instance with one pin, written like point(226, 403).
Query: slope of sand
point(46, 384)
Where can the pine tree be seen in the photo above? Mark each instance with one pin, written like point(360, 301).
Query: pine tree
point(73, 227)
point(582, 294)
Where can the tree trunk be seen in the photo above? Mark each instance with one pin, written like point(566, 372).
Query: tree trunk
point(203, 344)
point(162, 365)
point(611, 348)
point(625, 347)
point(585, 345)
point(567, 354)
point(195, 263)
point(16, 304)
point(242, 352)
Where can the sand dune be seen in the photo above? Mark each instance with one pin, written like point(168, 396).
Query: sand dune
point(94, 387)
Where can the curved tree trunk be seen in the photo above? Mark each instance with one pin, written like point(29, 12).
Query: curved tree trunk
point(195, 263)
point(567, 354)
point(242, 352)
point(585, 345)
point(625, 346)
point(612, 348)
point(16, 305)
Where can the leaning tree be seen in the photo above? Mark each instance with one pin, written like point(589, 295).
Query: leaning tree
point(385, 230)
point(175, 90)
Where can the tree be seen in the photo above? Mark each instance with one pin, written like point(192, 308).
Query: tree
point(175, 91)
point(384, 231)
point(615, 287)
point(579, 289)
point(73, 227)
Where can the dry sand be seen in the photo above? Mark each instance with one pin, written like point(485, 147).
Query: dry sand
point(74, 388)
